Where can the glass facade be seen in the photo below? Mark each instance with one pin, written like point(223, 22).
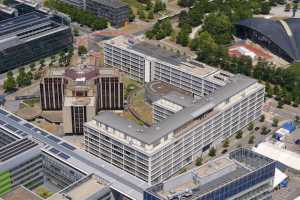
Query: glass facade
point(256, 183)
point(31, 37)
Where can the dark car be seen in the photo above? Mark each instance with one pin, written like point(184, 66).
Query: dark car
point(297, 141)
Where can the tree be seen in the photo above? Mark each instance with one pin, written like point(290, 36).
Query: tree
point(264, 131)
point(141, 14)
point(287, 7)
point(199, 161)
point(251, 139)
point(250, 126)
point(219, 26)
point(275, 122)
point(183, 38)
point(297, 119)
point(82, 50)
point(99, 24)
point(159, 6)
point(185, 3)
point(204, 42)
point(280, 104)
point(23, 78)
point(150, 15)
point(76, 31)
point(265, 8)
point(212, 152)
point(269, 90)
point(9, 83)
point(196, 14)
point(42, 62)
point(78, 15)
point(239, 134)
point(226, 143)
point(160, 30)
point(262, 118)
point(149, 5)
point(131, 16)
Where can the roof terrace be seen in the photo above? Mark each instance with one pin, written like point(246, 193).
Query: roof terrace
point(82, 189)
point(210, 176)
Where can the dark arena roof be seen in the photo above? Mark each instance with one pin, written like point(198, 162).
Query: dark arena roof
point(285, 34)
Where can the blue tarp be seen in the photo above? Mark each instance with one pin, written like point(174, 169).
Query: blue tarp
point(290, 126)
point(284, 184)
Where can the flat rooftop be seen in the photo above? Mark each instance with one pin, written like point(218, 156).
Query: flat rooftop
point(153, 134)
point(211, 175)
point(112, 3)
point(79, 101)
point(6, 9)
point(77, 158)
point(179, 98)
point(82, 189)
point(15, 31)
point(179, 62)
point(21, 193)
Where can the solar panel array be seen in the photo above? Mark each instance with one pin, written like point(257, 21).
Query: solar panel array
point(22, 124)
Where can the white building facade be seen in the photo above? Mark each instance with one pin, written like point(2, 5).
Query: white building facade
point(155, 153)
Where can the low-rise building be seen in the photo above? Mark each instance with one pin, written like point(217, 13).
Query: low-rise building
point(90, 187)
point(62, 163)
point(242, 174)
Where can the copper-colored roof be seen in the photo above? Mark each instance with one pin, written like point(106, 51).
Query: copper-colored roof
point(87, 72)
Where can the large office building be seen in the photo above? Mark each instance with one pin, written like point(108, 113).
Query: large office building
point(23, 162)
point(242, 174)
point(281, 37)
point(30, 37)
point(20, 163)
point(31, 157)
point(115, 11)
point(146, 62)
point(155, 153)
point(80, 92)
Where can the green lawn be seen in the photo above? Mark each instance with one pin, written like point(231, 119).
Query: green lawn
point(134, 4)
point(31, 102)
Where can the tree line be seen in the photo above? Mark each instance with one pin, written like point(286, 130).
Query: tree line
point(78, 15)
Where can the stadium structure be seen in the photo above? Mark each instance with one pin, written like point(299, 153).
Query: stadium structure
point(281, 37)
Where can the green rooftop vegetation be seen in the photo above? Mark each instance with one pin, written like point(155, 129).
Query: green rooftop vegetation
point(5, 182)
point(43, 192)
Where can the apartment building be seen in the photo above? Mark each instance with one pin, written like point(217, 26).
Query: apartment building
point(155, 153)
point(241, 174)
point(145, 62)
